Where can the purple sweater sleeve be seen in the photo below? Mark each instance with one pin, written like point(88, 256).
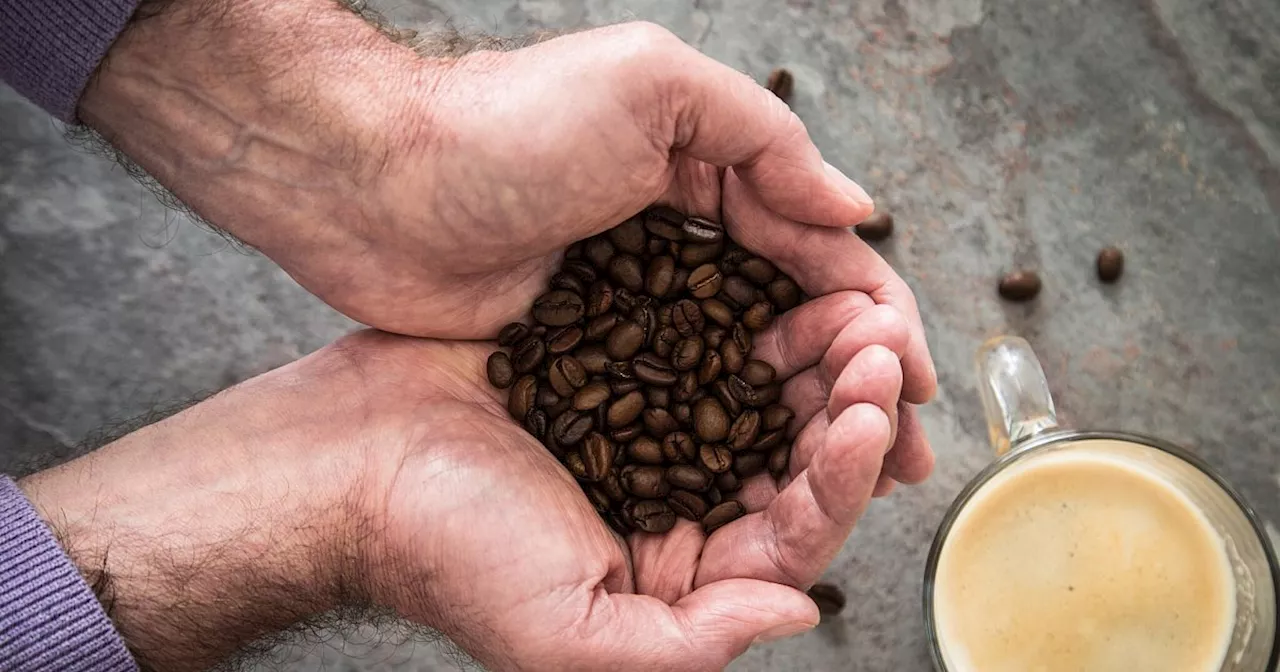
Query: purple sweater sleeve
point(49, 617)
point(50, 48)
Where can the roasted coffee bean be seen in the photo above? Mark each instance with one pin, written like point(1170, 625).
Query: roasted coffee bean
point(590, 396)
point(829, 598)
point(538, 330)
point(679, 447)
point(647, 318)
point(563, 340)
point(705, 281)
point(624, 300)
point(555, 410)
point(737, 292)
point(582, 270)
point(778, 459)
point(558, 308)
point(570, 427)
point(710, 422)
point(759, 316)
point(664, 315)
point(513, 333)
point(612, 486)
point(625, 410)
point(627, 272)
point(687, 477)
point(597, 456)
point(734, 255)
point(687, 505)
point(723, 513)
point(781, 83)
point(664, 222)
point(710, 368)
point(758, 271)
point(653, 516)
point(741, 337)
point(686, 386)
point(573, 461)
point(522, 396)
point(536, 423)
point(600, 417)
point(702, 230)
point(748, 463)
point(659, 422)
point(500, 371)
point(568, 281)
point(626, 434)
point(624, 341)
point(654, 370)
point(528, 354)
point(698, 394)
point(768, 394)
point(644, 481)
point(769, 440)
point(553, 447)
point(574, 251)
point(657, 246)
point(546, 396)
point(743, 391)
point(623, 386)
point(662, 271)
point(714, 496)
point(784, 294)
point(1019, 285)
point(566, 375)
point(693, 255)
point(876, 227)
point(715, 457)
point(664, 342)
point(599, 327)
point(598, 499)
point(658, 397)
point(757, 373)
point(732, 358)
point(686, 317)
point(1110, 264)
point(629, 236)
point(714, 336)
point(720, 389)
point(743, 432)
point(599, 299)
point(683, 413)
point(598, 251)
point(776, 417)
point(687, 353)
point(716, 311)
point(727, 482)
point(645, 450)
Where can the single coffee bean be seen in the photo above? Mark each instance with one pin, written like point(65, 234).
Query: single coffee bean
point(681, 280)
point(558, 308)
point(732, 358)
point(686, 386)
point(528, 354)
point(687, 477)
point(710, 422)
point(876, 227)
point(714, 496)
point(624, 299)
point(687, 505)
point(720, 389)
point(546, 396)
point(553, 447)
point(645, 316)
point(1019, 285)
point(784, 294)
point(654, 370)
point(758, 271)
point(715, 457)
point(522, 396)
point(683, 413)
point(686, 317)
point(781, 83)
point(500, 371)
point(741, 337)
point(664, 314)
point(829, 598)
point(768, 394)
point(702, 230)
point(744, 431)
point(743, 391)
point(598, 251)
point(538, 330)
point(623, 386)
point(705, 281)
point(664, 222)
point(662, 271)
point(727, 482)
point(582, 270)
point(598, 499)
point(627, 434)
point(513, 333)
point(776, 417)
point(599, 417)
point(629, 236)
point(570, 427)
point(710, 368)
point(536, 423)
point(714, 336)
point(658, 397)
point(693, 255)
point(612, 486)
point(737, 292)
point(759, 316)
point(687, 353)
point(659, 422)
point(1110, 264)
point(645, 450)
point(664, 342)
point(657, 246)
point(590, 396)
point(568, 281)
point(573, 461)
point(698, 394)
point(757, 373)
point(716, 311)
point(599, 299)
point(778, 458)
point(723, 513)
point(748, 463)
point(599, 327)
point(563, 340)
point(557, 409)
point(574, 251)
point(624, 341)
point(653, 516)
point(769, 440)
point(644, 481)
point(566, 375)
point(597, 456)
point(679, 447)
point(627, 272)
point(625, 410)
point(624, 511)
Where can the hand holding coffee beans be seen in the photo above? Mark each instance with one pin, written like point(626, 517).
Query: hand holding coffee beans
point(638, 375)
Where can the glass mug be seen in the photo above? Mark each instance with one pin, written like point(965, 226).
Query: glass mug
point(1023, 428)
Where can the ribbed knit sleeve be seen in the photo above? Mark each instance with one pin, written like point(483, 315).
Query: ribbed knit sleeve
point(49, 617)
point(50, 48)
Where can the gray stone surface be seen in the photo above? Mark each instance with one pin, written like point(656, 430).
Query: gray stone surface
point(1001, 133)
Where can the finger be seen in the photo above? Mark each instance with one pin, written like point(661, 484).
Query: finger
point(911, 459)
point(793, 540)
point(877, 325)
point(664, 563)
point(757, 492)
point(830, 260)
point(805, 395)
point(873, 376)
point(884, 486)
point(807, 443)
point(800, 337)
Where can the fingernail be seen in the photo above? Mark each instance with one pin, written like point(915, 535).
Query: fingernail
point(848, 186)
point(782, 632)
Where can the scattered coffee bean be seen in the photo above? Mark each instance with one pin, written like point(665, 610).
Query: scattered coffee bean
point(715, 457)
point(629, 236)
point(687, 477)
point(679, 448)
point(659, 422)
point(1110, 264)
point(727, 482)
point(528, 354)
point(558, 308)
point(784, 293)
point(662, 270)
point(653, 515)
point(716, 311)
point(1020, 285)
point(570, 427)
point(645, 450)
point(522, 395)
point(567, 375)
point(597, 456)
point(749, 463)
point(598, 251)
point(658, 397)
point(722, 514)
point(829, 598)
point(687, 505)
point(665, 223)
point(626, 271)
point(710, 422)
point(778, 459)
point(590, 396)
point(500, 371)
point(649, 482)
point(624, 341)
point(705, 281)
point(776, 417)
point(781, 83)
point(758, 271)
point(702, 230)
point(687, 353)
point(757, 373)
point(512, 333)
point(759, 316)
point(745, 429)
point(625, 410)
point(536, 423)
point(876, 227)
point(737, 292)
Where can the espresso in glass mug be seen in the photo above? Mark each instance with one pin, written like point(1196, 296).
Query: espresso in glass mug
point(1094, 551)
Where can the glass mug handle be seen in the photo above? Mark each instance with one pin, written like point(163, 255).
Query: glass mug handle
point(1015, 393)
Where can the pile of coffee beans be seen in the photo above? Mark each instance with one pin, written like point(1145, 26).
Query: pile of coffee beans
point(637, 372)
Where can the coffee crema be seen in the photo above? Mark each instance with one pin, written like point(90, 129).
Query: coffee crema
point(1078, 560)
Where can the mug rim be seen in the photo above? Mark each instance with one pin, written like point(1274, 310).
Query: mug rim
point(1043, 440)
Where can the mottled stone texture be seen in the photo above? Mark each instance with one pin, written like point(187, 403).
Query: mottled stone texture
point(1001, 133)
